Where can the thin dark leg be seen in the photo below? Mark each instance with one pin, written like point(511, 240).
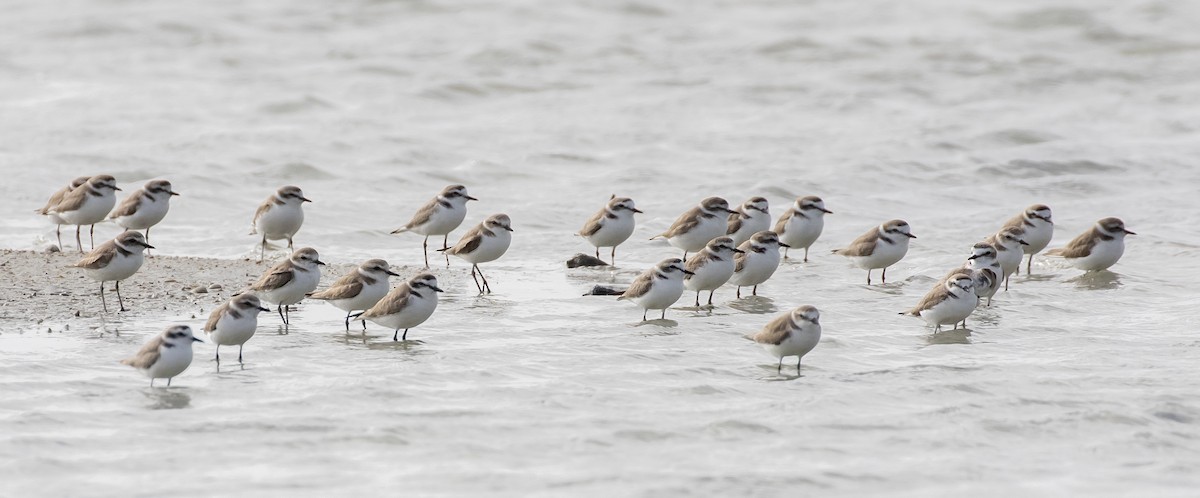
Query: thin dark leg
point(798, 358)
point(1028, 266)
point(710, 294)
point(597, 252)
point(486, 287)
point(395, 334)
point(664, 315)
point(805, 254)
point(102, 300)
point(425, 248)
point(739, 294)
point(151, 381)
point(779, 369)
point(147, 240)
point(58, 232)
point(240, 352)
point(169, 381)
point(697, 299)
point(92, 237)
point(685, 255)
point(644, 311)
point(281, 317)
point(785, 250)
point(1006, 282)
point(79, 242)
point(884, 277)
point(290, 244)
point(755, 291)
point(120, 303)
point(347, 321)
point(262, 253)
point(218, 358)
point(477, 286)
point(614, 256)
point(446, 245)
point(405, 336)
point(868, 277)
point(287, 312)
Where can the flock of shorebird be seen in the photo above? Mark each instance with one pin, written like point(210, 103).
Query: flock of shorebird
point(739, 247)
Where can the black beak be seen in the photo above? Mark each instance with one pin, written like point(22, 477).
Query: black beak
point(911, 236)
point(739, 251)
point(1023, 242)
point(826, 211)
point(172, 192)
point(973, 256)
point(636, 210)
point(469, 198)
point(730, 211)
point(147, 246)
point(781, 244)
point(116, 188)
point(305, 199)
point(508, 228)
point(392, 273)
point(436, 288)
point(685, 272)
point(319, 262)
point(1129, 233)
point(264, 309)
point(196, 339)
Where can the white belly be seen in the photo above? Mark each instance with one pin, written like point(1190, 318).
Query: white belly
point(418, 310)
point(120, 268)
point(757, 222)
point(281, 222)
point(234, 332)
point(365, 299)
point(613, 232)
point(294, 292)
point(757, 268)
point(710, 276)
point(1037, 236)
point(885, 255)
point(799, 343)
point(951, 310)
point(698, 237)
point(491, 249)
point(1104, 254)
point(93, 210)
point(662, 294)
point(443, 221)
point(1010, 260)
point(171, 362)
point(149, 213)
point(800, 233)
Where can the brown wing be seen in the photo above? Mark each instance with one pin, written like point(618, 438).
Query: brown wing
point(593, 224)
point(1016, 221)
point(1078, 247)
point(862, 246)
point(783, 220)
point(216, 315)
point(639, 287)
point(934, 296)
point(278, 277)
point(55, 198)
point(262, 208)
point(735, 222)
point(128, 206)
point(345, 291)
point(469, 243)
point(99, 257)
point(147, 356)
point(393, 303)
point(775, 332)
point(72, 200)
point(424, 214)
point(739, 259)
point(685, 223)
point(699, 259)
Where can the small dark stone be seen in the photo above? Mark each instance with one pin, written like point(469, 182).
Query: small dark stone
point(603, 290)
point(582, 259)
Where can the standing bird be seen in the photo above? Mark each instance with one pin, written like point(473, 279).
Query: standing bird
point(985, 268)
point(114, 261)
point(659, 287)
point(711, 267)
point(439, 216)
point(165, 355)
point(1098, 248)
point(757, 262)
point(801, 225)
point(87, 204)
point(279, 217)
point(694, 228)
point(486, 242)
point(360, 289)
point(1039, 229)
point(56, 198)
point(880, 247)
point(288, 282)
point(791, 334)
point(406, 306)
point(1008, 242)
point(234, 323)
point(145, 207)
point(610, 226)
point(949, 302)
point(752, 217)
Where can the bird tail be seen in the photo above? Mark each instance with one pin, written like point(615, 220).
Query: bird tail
point(401, 230)
point(1054, 252)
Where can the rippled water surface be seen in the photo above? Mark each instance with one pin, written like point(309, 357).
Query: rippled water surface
point(951, 115)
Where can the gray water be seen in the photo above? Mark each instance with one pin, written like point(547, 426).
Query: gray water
point(951, 115)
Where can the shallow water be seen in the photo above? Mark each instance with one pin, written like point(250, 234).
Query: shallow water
point(953, 117)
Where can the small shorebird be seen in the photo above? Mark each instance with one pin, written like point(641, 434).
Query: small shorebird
point(288, 282)
point(711, 267)
point(1098, 248)
point(87, 204)
point(610, 226)
point(1039, 229)
point(694, 228)
point(145, 207)
point(234, 323)
point(165, 355)
point(948, 302)
point(486, 242)
point(360, 289)
point(801, 225)
point(406, 306)
point(439, 216)
point(657, 288)
point(56, 198)
point(114, 261)
point(880, 247)
point(752, 217)
point(792, 334)
point(279, 217)
point(757, 262)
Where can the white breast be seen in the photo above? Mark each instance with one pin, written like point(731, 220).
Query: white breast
point(1010, 260)
point(418, 310)
point(93, 210)
point(951, 310)
point(798, 343)
point(171, 361)
point(148, 214)
point(800, 232)
point(281, 221)
point(885, 254)
point(1037, 236)
point(490, 249)
point(1104, 254)
point(120, 267)
point(695, 239)
point(232, 331)
point(613, 231)
point(662, 294)
point(443, 221)
point(757, 269)
point(711, 275)
point(757, 222)
point(294, 291)
point(365, 299)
